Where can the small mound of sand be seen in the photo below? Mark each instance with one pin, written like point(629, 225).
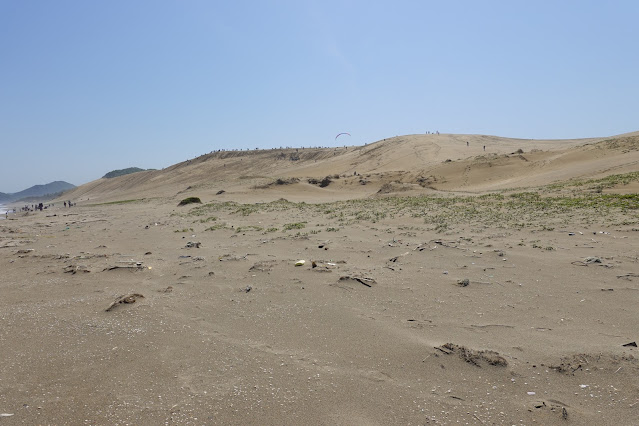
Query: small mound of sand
point(474, 357)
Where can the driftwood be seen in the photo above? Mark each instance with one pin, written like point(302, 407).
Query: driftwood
point(368, 282)
point(628, 276)
point(129, 298)
point(134, 267)
point(74, 269)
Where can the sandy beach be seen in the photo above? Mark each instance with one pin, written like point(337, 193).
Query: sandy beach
point(424, 279)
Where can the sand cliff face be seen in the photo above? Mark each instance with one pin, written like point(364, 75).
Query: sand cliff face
point(496, 288)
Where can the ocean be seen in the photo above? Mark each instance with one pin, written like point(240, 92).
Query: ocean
point(3, 209)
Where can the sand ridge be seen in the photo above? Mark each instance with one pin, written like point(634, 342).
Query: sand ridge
point(414, 162)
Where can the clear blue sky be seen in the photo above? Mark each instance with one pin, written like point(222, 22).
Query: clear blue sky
point(91, 86)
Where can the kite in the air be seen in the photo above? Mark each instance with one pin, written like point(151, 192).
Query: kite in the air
point(340, 134)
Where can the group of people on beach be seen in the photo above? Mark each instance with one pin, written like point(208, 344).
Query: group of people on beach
point(40, 206)
point(35, 207)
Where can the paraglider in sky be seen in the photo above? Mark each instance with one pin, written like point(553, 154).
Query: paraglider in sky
point(340, 134)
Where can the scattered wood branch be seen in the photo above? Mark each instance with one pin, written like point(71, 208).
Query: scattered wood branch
point(129, 298)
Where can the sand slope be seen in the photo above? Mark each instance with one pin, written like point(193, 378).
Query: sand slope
point(414, 163)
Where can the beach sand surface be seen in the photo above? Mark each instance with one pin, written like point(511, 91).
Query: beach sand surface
point(499, 287)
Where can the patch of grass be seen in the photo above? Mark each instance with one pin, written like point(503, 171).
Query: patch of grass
point(208, 219)
point(184, 230)
point(596, 185)
point(298, 225)
point(246, 209)
point(442, 227)
point(248, 228)
point(211, 207)
point(221, 225)
point(529, 209)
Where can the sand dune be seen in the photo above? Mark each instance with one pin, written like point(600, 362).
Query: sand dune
point(416, 163)
point(499, 287)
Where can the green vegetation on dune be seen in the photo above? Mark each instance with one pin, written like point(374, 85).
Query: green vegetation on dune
point(544, 209)
point(571, 205)
point(122, 172)
point(190, 200)
point(297, 225)
point(607, 182)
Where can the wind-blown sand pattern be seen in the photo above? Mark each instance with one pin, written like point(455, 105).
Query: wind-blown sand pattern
point(500, 287)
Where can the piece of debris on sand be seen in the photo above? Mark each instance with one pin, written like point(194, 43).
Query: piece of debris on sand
point(396, 258)
point(472, 356)
point(129, 298)
point(592, 260)
point(129, 267)
point(316, 266)
point(231, 257)
point(263, 266)
point(74, 269)
point(580, 362)
point(368, 282)
point(463, 283)
point(628, 276)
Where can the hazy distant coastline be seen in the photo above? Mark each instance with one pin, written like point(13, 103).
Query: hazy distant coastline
point(37, 192)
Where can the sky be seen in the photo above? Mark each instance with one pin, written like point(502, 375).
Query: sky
point(87, 87)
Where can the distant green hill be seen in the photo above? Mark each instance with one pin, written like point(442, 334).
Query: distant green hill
point(122, 172)
point(48, 191)
point(40, 198)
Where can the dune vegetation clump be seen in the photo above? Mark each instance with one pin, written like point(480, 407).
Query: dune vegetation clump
point(285, 181)
point(122, 172)
point(323, 183)
point(190, 200)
